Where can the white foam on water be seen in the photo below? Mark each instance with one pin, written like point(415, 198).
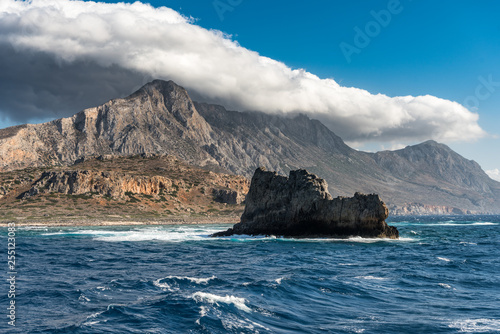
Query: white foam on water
point(468, 243)
point(81, 232)
point(89, 321)
point(369, 277)
point(203, 313)
point(216, 299)
point(445, 223)
point(179, 234)
point(33, 228)
point(245, 237)
point(235, 323)
point(197, 233)
point(278, 280)
point(158, 233)
point(325, 290)
point(477, 325)
point(350, 239)
point(458, 224)
point(83, 298)
point(165, 285)
point(444, 259)
point(162, 285)
point(112, 306)
point(198, 280)
point(372, 240)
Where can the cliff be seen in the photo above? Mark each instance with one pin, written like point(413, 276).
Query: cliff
point(300, 206)
point(160, 118)
point(141, 186)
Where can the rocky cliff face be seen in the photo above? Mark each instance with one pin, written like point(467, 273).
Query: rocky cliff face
point(416, 209)
point(160, 118)
point(119, 183)
point(142, 187)
point(110, 184)
point(300, 206)
point(439, 181)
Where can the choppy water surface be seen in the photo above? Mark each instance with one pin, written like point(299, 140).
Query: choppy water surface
point(443, 276)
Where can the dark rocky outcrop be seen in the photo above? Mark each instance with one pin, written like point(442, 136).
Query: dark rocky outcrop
point(300, 206)
point(228, 196)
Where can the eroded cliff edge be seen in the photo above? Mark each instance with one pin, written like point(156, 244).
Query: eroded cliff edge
point(301, 206)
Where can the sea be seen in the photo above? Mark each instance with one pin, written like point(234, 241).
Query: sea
point(441, 276)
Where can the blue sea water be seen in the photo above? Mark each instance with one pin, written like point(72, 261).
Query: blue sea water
point(442, 276)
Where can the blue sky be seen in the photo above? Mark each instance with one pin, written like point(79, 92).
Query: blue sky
point(447, 49)
point(441, 48)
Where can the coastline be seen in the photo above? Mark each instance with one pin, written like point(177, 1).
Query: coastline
point(122, 221)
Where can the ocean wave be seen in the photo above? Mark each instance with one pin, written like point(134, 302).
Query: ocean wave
point(170, 234)
point(476, 325)
point(161, 282)
point(196, 233)
point(91, 319)
point(239, 303)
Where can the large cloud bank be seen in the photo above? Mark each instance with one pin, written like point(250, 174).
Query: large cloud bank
point(108, 49)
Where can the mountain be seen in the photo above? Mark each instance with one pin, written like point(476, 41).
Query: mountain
point(161, 118)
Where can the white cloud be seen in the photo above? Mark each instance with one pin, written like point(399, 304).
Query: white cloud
point(494, 174)
point(161, 43)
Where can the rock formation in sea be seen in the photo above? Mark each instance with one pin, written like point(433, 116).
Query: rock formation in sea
point(301, 206)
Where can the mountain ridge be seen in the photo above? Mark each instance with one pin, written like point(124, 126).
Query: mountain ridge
point(161, 118)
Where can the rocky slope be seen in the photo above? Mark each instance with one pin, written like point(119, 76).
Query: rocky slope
point(161, 118)
point(140, 187)
point(453, 184)
point(300, 206)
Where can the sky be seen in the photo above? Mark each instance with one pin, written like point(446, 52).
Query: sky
point(381, 74)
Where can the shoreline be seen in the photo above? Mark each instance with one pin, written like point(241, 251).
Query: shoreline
point(121, 222)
